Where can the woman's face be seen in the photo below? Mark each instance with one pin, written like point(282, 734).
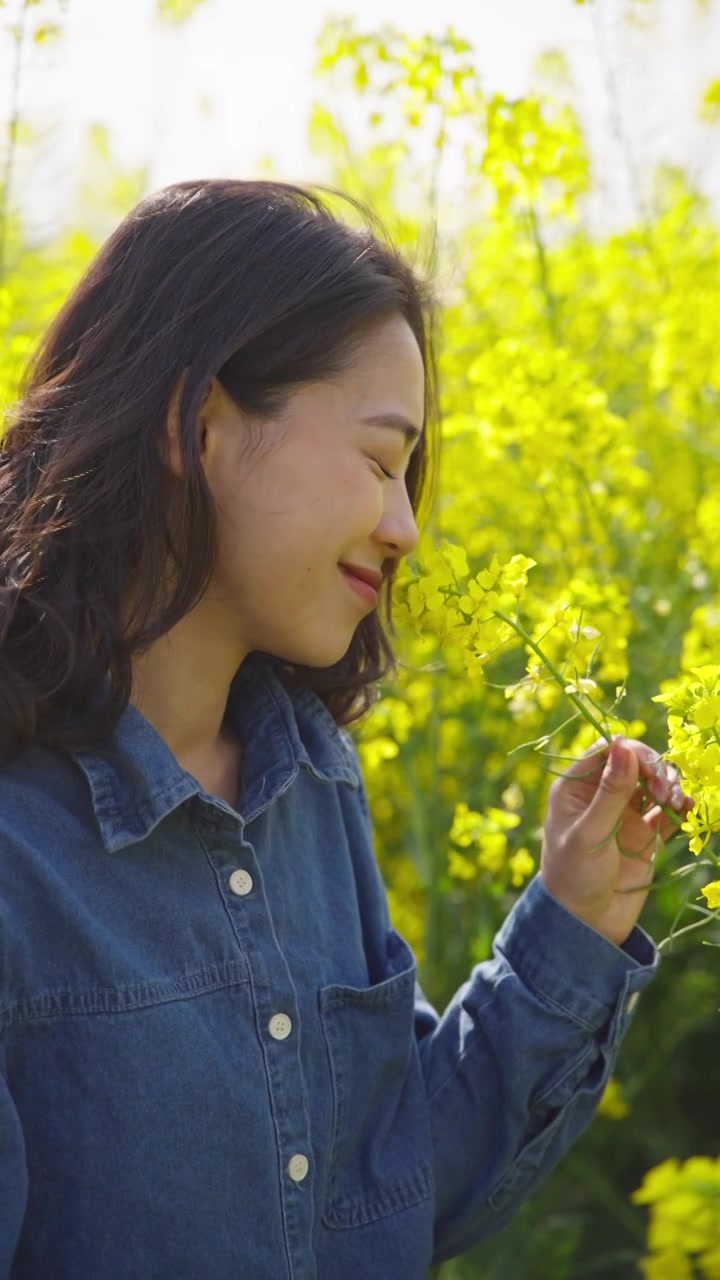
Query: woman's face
point(311, 497)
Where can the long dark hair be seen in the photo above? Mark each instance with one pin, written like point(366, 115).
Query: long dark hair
point(257, 283)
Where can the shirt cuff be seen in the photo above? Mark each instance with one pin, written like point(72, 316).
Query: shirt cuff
point(569, 965)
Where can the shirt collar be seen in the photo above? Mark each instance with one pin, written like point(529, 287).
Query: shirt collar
point(135, 779)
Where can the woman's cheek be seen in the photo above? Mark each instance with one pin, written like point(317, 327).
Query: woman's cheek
point(372, 495)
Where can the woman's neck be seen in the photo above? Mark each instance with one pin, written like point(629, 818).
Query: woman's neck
point(181, 685)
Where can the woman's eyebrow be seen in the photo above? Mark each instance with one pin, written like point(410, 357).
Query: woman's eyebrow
point(396, 422)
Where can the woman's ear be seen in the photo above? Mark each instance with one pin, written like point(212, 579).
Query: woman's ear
point(173, 450)
point(172, 443)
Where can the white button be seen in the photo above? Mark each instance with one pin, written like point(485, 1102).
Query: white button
point(298, 1167)
point(241, 882)
point(631, 1002)
point(280, 1027)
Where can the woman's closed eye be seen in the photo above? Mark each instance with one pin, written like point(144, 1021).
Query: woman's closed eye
point(387, 474)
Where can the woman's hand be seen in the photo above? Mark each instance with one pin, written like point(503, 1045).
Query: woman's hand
point(581, 863)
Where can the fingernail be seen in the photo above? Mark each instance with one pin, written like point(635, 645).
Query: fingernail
point(619, 756)
point(660, 787)
point(676, 797)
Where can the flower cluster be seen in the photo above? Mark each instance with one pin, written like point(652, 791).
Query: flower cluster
point(483, 835)
point(693, 703)
point(683, 1236)
point(462, 609)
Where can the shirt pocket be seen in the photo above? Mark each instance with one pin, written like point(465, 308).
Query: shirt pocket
point(381, 1147)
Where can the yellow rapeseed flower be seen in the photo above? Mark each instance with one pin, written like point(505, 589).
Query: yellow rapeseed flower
point(711, 893)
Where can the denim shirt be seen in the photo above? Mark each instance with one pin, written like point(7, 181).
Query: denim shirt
point(215, 1058)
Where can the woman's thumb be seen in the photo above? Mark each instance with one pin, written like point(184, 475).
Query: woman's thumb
point(615, 789)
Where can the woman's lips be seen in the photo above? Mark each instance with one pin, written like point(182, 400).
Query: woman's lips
point(362, 588)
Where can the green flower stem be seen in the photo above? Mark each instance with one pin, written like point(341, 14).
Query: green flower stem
point(518, 627)
point(698, 924)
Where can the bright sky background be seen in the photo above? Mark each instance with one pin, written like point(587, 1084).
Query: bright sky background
point(234, 83)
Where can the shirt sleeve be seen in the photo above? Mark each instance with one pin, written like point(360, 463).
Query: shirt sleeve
point(516, 1065)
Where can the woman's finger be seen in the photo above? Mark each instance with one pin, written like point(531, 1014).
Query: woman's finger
point(657, 820)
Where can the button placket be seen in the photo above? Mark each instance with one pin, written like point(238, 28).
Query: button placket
point(271, 985)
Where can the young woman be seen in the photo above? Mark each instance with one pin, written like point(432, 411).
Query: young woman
point(215, 1059)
